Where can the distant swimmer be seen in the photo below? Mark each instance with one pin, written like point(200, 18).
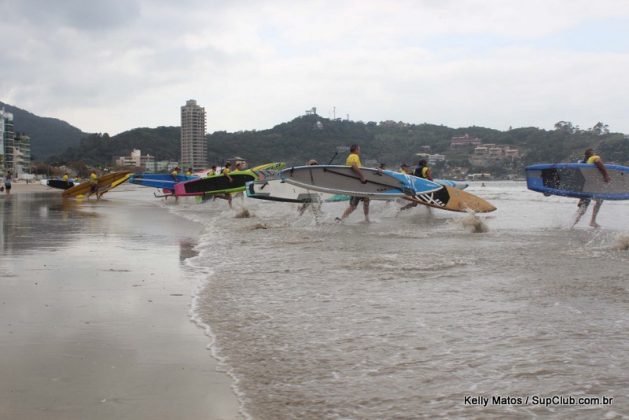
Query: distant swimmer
point(353, 160)
point(583, 204)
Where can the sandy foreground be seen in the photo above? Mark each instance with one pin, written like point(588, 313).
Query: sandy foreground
point(94, 313)
point(22, 187)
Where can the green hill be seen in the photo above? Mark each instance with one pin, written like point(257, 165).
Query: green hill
point(313, 137)
point(49, 136)
point(102, 150)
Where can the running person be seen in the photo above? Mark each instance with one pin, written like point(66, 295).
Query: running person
point(583, 204)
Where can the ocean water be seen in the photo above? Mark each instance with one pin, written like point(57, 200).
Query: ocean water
point(416, 313)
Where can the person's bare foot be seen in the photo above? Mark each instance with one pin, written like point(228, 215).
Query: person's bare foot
point(595, 225)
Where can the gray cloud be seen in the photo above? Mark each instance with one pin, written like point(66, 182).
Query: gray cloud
point(77, 14)
point(114, 65)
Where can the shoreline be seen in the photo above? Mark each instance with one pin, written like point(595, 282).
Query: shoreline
point(96, 313)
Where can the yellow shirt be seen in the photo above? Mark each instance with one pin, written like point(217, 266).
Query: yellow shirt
point(593, 158)
point(226, 171)
point(352, 159)
point(211, 172)
point(66, 178)
point(93, 177)
point(425, 172)
point(188, 173)
point(174, 173)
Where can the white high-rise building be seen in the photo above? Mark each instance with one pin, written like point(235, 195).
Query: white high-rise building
point(193, 142)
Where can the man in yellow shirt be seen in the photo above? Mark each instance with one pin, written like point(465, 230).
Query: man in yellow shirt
point(94, 184)
point(405, 169)
point(353, 160)
point(583, 204)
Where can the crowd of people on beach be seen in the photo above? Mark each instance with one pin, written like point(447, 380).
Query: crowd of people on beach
point(422, 170)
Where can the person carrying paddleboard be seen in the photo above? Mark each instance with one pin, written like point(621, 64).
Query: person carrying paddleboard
point(94, 184)
point(353, 160)
point(227, 196)
point(422, 171)
point(304, 206)
point(583, 204)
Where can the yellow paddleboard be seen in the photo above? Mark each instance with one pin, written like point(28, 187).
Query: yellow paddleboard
point(453, 199)
point(105, 183)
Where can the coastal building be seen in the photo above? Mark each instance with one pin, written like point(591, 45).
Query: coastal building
point(489, 155)
point(7, 138)
point(431, 158)
point(138, 160)
point(21, 154)
point(193, 142)
point(461, 142)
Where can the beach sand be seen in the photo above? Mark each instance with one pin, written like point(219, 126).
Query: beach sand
point(94, 313)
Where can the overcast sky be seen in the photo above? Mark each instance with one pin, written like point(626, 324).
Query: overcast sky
point(114, 65)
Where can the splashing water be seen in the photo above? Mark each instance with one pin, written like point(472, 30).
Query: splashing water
point(622, 243)
point(474, 224)
point(243, 214)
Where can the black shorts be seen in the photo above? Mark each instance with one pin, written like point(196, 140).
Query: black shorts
point(7, 185)
point(355, 200)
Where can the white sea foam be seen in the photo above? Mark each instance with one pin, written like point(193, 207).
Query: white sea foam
point(315, 319)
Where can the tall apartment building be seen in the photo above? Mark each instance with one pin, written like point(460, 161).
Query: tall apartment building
point(193, 143)
point(21, 154)
point(7, 138)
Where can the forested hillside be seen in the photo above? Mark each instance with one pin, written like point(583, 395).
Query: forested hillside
point(49, 136)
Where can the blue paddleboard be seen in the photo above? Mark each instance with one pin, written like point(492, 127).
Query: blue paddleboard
point(578, 180)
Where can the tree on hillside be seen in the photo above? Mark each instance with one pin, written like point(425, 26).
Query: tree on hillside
point(600, 129)
point(565, 127)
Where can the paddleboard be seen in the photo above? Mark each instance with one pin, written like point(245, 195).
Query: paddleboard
point(453, 199)
point(220, 184)
point(105, 183)
point(162, 181)
point(450, 183)
point(336, 179)
point(57, 183)
point(279, 190)
point(578, 180)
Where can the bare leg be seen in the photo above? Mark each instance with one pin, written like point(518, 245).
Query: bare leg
point(366, 209)
point(408, 206)
point(597, 207)
point(582, 208)
point(303, 208)
point(348, 211)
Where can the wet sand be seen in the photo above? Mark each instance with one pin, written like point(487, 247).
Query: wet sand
point(94, 314)
point(23, 187)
